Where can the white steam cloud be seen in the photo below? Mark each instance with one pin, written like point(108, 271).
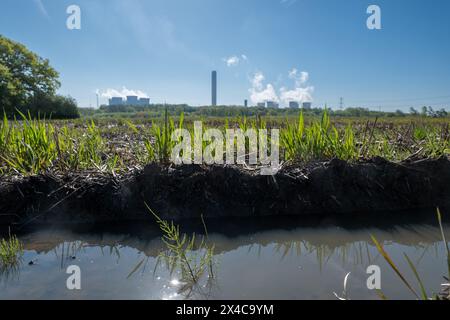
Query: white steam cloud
point(259, 92)
point(299, 78)
point(300, 93)
point(297, 94)
point(123, 93)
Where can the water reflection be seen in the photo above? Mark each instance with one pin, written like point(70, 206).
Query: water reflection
point(302, 263)
point(10, 273)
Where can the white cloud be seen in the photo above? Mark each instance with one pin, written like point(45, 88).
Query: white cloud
point(293, 73)
point(257, 80)
point(297, 94)
point(109, 93)
point(261, 93)
point(304, 77)
point(300, 78)
point(301, 92)
point(235, 60)
point(232, 61)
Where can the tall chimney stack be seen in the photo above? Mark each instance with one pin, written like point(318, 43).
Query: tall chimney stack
point(214, 88)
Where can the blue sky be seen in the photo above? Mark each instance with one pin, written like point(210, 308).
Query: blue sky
point(318, 49)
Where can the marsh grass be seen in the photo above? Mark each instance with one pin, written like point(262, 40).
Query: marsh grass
point(30, 148)
point(161, 149)
point(33, 146)
point(191, 255)
point(11, 251)
point(320, 140)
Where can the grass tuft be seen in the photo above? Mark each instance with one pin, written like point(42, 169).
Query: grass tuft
point(11, 251)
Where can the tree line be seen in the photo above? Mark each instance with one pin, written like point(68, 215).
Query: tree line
point(156, 110)
point(28, 85)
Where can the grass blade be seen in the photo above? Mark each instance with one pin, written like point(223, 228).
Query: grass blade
point(393, 266)
point(416, 274)
point(135, 268)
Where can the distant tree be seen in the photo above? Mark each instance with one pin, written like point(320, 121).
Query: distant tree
point(413, 111)
point(399, 113)
point(441, 113)
point(23, 76)
point(424, 111)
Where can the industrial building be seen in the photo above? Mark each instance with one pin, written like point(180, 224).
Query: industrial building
point(130, 101)
point(261, 104)
point(115, 101)
point(144, 101)
point(306, 105)
point(272, 104)
point(294, 105)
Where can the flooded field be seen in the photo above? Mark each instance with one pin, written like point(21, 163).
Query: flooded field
point(279, 263)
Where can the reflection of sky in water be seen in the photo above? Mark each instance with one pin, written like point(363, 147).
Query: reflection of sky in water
point(305, 263)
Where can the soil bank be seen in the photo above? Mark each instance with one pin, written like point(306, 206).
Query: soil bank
point(332, 188)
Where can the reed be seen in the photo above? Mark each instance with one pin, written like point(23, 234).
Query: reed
point(11, 251)
point(190, 254)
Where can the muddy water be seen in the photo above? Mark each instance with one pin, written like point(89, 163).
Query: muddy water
point(294, 263)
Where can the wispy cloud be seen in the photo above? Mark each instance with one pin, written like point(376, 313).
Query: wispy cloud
point(40, 5)
point(235, 60)
point(153, 31)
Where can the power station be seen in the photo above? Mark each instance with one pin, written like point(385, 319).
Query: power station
point(133, 100)
point(130, 101)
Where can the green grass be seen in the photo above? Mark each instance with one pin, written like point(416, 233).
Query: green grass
point(320, 140)
point(11, 251)
point(191, 255)
point(32, 146)
point(161, 149)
